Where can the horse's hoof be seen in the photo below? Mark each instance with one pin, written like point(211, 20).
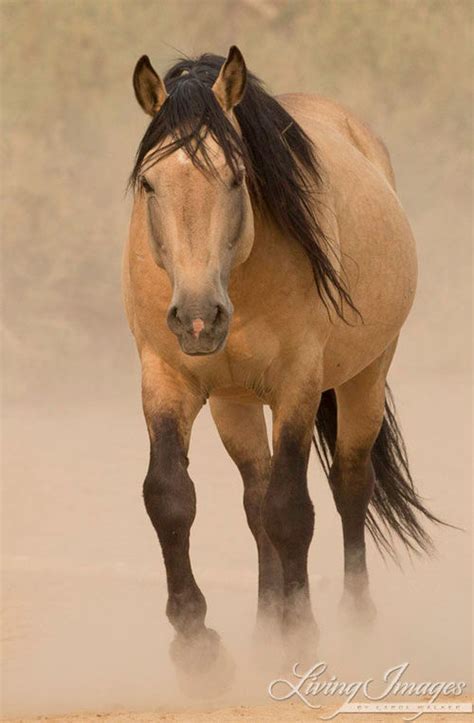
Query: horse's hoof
point(267, 628)
point(267, 644)
point(203, 666)
point(358, 610)
point(196, 653)
point(301, 646)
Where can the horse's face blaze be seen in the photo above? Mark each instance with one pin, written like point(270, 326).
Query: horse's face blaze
point(200, 228)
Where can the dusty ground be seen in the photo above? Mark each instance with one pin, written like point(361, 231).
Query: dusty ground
point(278, 712)
point(83, 586)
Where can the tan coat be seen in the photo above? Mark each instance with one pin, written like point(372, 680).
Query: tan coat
point(280, 329)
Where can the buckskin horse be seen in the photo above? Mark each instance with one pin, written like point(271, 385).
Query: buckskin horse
point(269, 262)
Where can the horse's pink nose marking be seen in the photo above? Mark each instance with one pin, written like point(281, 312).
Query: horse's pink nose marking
point(198, 326)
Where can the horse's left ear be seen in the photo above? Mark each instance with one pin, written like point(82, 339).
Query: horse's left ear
point(149, 88)
point(230, 84)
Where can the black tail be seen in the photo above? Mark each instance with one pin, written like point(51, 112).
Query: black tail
point(395, 506)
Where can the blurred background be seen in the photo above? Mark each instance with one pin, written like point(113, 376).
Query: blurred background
point(83, 588)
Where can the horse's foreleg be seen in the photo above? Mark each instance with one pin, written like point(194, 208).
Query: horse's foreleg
point(243, 432)
point(170, 501)
point(289, 516)
point(171, 505)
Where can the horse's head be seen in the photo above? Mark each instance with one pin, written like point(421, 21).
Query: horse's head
point(192, 173)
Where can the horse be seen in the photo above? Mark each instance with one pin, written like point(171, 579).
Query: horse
point(269, 263)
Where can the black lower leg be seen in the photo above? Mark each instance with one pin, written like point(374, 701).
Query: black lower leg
point(270, 581)
point(289, 522)
point(352, 484)
point(171, 505)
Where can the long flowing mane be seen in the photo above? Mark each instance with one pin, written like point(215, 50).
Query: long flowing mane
point(280, 159)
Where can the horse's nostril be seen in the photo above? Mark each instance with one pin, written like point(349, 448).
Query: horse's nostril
point(221, 314)
point(173, 317)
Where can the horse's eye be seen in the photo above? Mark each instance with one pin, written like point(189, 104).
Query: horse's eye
point(238, 179)
point(147, 187)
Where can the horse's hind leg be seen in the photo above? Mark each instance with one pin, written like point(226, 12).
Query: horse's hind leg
point(360, 412)
point(170, 408)
point(242, 429)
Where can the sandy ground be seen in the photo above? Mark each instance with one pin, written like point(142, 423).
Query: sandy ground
point(281, 712)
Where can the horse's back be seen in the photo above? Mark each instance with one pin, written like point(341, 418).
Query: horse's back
point(337, 117)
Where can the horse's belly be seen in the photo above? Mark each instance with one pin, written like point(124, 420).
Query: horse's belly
point(384, 299)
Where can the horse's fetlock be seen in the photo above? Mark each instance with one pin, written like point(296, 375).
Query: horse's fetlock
point(187, 609)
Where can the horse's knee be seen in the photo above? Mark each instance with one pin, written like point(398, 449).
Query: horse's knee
point(288, 517)
point(254, 494)
point(352, 480)
point(253, 510)
point(171, 504)
point(168, 491)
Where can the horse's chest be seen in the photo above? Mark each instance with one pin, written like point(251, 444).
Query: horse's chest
point(257, 356)
point(245, 362)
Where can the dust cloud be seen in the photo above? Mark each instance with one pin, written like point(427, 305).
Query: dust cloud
point(83, 591)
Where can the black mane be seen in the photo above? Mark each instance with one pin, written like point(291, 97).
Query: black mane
point(280, 159)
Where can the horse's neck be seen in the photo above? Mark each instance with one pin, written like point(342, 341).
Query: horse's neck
point(277, 265)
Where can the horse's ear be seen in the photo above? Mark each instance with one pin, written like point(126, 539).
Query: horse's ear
point(149, 88)
point(230, 84)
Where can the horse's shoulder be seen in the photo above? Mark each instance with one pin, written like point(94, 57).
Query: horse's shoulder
point(307, 108)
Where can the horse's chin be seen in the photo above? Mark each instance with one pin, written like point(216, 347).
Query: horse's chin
point(194, 347)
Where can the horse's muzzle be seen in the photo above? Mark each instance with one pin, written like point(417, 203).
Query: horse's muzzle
point(200, 328)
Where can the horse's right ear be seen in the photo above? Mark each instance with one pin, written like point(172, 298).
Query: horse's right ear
point(149, 88)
